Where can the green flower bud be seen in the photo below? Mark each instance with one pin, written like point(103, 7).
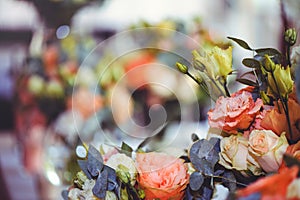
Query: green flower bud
point(123, 175)
point(290, 36)
point(141, 194)
point(182, 68)
point(269, 64)
point(283, 79)
point(264, 97)
point(80, 179)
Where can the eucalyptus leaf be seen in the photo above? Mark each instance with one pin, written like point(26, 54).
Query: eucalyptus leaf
point(229, 180)
point(240, 42)
point(83, 166)
point(95, 161)
point(202, 165)
point(207, 193)
point(99, 190)
point(251, 63)
point(216, 143)
point(65, 194)
point(195, 137)
point(248, 73)
point(196, 181)
point(126, 149)
point(268, 51)
point(112, 178)
point(247, 82)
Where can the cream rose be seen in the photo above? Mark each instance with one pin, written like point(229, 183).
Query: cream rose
point(267, 149)
point(234, 154)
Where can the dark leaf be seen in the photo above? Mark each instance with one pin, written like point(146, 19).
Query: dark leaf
point(126, 149)
point(240, 42)
point(247, 82)
point(218, 172)
point(112, 178)
point(201, 148)
point(196, 181)
point(95, 161)
point(250, 62)
point(99, 190)
point(248, 73)
point(83, 166)
point(254, 196)
point(201, 164)
point(65, 194)
point(195, 137)
point(131, 191)
point(212, 157)
point(216, 143)
point(229, 181)
point(268, 51)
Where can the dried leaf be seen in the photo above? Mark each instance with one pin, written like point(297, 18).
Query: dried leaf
point(247, 82)
point(268, 51)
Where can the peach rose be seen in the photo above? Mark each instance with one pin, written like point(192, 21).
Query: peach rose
point(161, 176)
point(271, 187)
point(234, 154)
point(276, 121)
point(234, 113)
point(267, 148)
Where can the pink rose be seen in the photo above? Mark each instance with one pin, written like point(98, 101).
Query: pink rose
point(267, 149)
point(161, 176)
point(235, 113)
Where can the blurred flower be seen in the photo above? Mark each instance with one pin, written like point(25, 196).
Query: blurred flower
point(85, 193)
point(283, 79)
point(125, 164)
point(267, 148)
point(36, 85)
point(235, 113)
point(276, 121)
point(54, 89)
point(293, 190)
point(234, 154)
point(161, 176)
point(271, 187)
point(85, 102)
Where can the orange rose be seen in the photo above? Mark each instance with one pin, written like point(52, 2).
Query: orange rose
point(234, 113)
point(161, 176)
point(271, 187)
point(276, 121)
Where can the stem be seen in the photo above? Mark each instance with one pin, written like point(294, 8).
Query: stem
point(288, 50)
point(201, 84)
point(288, 118)
point(225, 87)
point(212, 80)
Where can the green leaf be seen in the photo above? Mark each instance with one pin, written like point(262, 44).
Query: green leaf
point(125, 148)
point(268, 51)
point(250, 62)
point(240, 42)
point(247, 82)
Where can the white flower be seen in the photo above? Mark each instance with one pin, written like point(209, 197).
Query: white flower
point(121, 161)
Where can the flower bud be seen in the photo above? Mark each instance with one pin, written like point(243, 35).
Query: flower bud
point(264, 97)
point(182, 68)
point(123, 175)
point(283, 79)
point(290, 36)
point(269, 64)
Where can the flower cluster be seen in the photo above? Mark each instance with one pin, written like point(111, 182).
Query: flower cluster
point(149, 176)
point(258, 125)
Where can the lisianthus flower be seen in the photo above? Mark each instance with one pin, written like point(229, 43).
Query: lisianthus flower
point(234, 113)
point(234, 154)
point(276, 121)
point(271, 187)
point(161, 176)
point(267, 149)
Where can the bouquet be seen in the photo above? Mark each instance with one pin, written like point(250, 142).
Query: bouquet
point(251, 151)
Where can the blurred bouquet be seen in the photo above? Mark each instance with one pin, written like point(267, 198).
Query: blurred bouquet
point(251, 150)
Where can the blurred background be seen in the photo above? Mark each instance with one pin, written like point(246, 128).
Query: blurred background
point(62, 62)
